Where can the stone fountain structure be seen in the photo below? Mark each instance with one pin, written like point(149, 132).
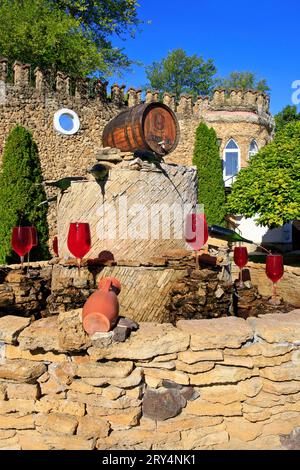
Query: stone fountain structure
point(136, 218)
point(137, 214)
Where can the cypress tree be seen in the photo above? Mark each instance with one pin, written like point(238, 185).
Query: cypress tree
point(20, 193)
point(211, 191)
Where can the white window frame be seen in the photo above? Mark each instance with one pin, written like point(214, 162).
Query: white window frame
point(73, 115)
point(250, 152)
point(229, 179)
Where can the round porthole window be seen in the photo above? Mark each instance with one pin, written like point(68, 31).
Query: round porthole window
point(66, 121)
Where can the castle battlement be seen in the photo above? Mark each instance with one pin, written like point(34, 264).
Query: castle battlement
point(83, 88)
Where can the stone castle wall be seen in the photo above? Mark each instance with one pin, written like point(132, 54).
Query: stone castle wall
point(239, 127)
point(204, 384)
point(240, 115)
point(34, 108)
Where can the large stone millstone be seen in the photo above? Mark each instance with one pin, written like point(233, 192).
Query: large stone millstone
point(131, 235)
point(162, 404)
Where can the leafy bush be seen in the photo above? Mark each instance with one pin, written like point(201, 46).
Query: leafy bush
point(20, 194)
point(270, 185)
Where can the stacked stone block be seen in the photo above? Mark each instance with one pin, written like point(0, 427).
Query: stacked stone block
point(204, 384)
point(23, 295)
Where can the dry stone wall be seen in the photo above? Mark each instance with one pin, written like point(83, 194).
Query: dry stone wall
point(204, 384)
point(162, 289)
point(288, 288)
point(23, 295)
point(144, 295)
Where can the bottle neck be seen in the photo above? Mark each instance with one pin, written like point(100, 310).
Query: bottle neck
point(227, 234)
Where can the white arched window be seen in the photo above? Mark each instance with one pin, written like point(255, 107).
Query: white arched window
point(253, 149)
point(231, 159)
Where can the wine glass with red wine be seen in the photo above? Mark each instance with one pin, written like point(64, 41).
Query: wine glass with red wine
point(21, 241)
point(240, 256)
point(196, 233)
point(274, 271)
point(79, 240)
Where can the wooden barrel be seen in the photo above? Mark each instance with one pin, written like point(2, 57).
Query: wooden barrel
point(147, 126)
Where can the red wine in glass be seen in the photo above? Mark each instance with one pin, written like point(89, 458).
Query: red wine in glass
point(55, 245)
point(21, 241)
point(274, 270)
point(240, 256)
point(79, 240)
point(196, 233)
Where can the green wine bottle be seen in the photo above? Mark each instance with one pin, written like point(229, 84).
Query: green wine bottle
point(226, 234)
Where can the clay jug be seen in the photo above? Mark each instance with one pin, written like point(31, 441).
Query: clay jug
point(101, 310)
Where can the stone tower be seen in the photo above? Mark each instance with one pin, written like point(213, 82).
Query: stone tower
point(237, 115)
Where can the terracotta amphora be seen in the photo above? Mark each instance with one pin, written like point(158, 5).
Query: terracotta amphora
point(101, 310)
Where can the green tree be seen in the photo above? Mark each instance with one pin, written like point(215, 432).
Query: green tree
point(104, 17)
point(211, 191)
point(71, 36)
point(244, 81)
point(288, 114)
point(270, 185)
point(179, 73)
point(100, 20)
point(20, 194)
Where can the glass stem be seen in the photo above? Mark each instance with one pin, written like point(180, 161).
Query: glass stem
point(197, 261)
point(22, 262)
point(79, 265)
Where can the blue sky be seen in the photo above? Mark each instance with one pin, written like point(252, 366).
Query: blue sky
point(258, 36)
